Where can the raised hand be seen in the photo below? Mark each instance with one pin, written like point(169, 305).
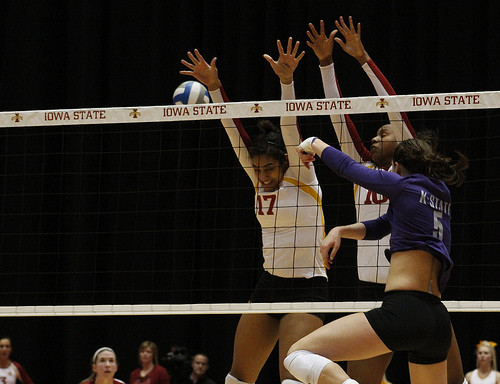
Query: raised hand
point(352, 44)
point(287, 62)
point(320, 44)
point(202, 71)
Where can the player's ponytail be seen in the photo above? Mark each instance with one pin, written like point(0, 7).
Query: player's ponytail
point(420, 156)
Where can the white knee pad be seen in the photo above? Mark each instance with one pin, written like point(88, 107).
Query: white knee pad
point(230, 379)
point(350, 381)
point(306, 366)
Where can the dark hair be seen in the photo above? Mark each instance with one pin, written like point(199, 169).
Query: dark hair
point(200, 354)
point(269, 142)
point(420, 156)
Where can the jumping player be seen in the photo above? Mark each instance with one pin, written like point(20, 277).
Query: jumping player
point(412, 317)
point(288, 207)
point(372, 263)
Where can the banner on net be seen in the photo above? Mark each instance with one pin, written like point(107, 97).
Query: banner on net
point(250, 109)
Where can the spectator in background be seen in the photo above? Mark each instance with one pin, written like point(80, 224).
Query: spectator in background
point(10, 371)
point(200, 365)
point(150, 371)
point(178, 363)
point(486, 365)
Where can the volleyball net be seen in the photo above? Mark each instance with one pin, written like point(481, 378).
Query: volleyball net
point(146, 210)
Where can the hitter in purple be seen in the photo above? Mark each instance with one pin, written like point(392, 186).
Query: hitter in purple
point(412, 317)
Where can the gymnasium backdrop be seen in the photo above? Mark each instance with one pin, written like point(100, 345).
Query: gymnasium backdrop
point(58, 54)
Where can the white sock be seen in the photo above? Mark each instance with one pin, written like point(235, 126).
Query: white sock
point(230, 379)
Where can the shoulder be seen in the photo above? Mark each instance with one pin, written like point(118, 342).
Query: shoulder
point(435, 186)
point(135, 373)
point(160, 369)
point(20, 368)
point(117, 381)
point(468, 375)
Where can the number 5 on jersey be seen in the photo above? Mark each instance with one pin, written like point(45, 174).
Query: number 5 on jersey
point(438, 225)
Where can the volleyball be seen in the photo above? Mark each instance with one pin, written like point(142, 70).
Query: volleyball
point(191, 92)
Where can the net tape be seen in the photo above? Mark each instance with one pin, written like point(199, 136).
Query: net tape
point(224, 308)
point(305, 107)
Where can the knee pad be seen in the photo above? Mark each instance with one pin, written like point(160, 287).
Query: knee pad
point(306, 366)
point(291, 381)
point(350, 381)
point(230, 379)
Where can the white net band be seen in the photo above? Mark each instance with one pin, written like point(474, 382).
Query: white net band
point(309, 107)
point(225, 308)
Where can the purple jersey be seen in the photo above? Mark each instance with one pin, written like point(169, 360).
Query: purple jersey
point(419, 209)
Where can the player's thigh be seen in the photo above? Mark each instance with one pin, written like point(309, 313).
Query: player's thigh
point(347, 338)
point(293, 327)
point(369, 371)
point(428, 373)
point(255, 338)
point(454, 362)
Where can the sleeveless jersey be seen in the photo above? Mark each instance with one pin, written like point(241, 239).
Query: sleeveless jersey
point(475, 379)
point(9, 375)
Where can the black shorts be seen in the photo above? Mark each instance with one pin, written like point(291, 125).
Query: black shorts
point(413, 321)
point(275, 289)
point(368, 291)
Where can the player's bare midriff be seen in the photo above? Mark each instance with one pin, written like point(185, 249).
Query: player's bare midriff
point(414, 270)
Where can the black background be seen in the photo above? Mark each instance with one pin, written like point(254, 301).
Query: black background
point(57, 54)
